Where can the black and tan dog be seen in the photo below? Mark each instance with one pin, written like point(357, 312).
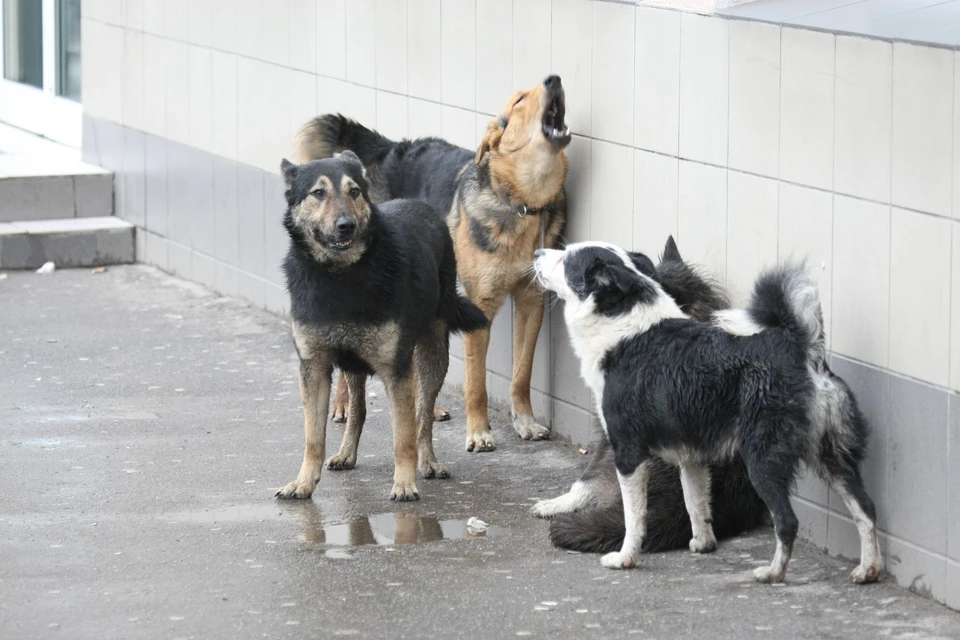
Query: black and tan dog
point(372, 291)
point(502, 202)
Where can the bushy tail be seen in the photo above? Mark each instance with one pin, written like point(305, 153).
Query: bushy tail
point(468, 317)
point(591, 531)
point(326, 135)
point(786, 297)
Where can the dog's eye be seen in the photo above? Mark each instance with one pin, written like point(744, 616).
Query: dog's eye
point(319, 194)
point(354, 192)
point(519, 100)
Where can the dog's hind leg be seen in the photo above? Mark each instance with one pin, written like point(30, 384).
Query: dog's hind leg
point(430, 360)
point(851, 490)
point(771, 478)
point(341, 400)
point(633, 488)
point(695, 479)
point(346, 457)
point(403, 401)
point(528, 317)
point(316, 375)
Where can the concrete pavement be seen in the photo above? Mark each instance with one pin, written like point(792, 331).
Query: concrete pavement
point(146, 422)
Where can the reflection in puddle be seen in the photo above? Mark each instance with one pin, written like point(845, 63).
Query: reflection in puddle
point(394, 528)
point(382, 529)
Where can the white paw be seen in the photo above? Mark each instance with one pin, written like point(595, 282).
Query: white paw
point(342, 461)
point(768, 575)
point(863, 575)
point(703, 543)
point(404, 492)
point(529, 429)
point(549, 508)
point(616, 560)
point(298, 489)
point(482, 441)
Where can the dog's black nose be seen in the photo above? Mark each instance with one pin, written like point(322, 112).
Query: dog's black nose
point(346, 224)
point(552, 82)
point(538, 253)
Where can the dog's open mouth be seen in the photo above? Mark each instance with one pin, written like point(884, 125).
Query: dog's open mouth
point(554, 128)
point(337, 244)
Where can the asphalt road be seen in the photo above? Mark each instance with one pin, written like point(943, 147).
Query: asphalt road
point(145, 424)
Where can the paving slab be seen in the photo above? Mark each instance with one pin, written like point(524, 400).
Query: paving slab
point(146, 422)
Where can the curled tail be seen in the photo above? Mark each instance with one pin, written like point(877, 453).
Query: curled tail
point(591, 531)
point(326, 135)
point(785, 298)
point(468, 317)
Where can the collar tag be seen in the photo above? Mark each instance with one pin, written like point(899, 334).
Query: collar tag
point(522, 211)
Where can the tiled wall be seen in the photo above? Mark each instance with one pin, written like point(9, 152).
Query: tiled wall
point(750, 142)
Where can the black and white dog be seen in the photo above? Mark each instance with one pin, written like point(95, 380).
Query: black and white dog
point(589, 517)
point(755, 382)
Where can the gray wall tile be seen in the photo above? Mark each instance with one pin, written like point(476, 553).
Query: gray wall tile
point(953, 585)
point(813, 523)
point(565, 365)
point(842, 537)
point(109, 137)
point(251, 227)
point(179, 202)
point(576, 424)
point(500, 353)
point(953, 491)
point(228, 280)
point(915, 569)
point(133, 205)
point(155, 179)
point(141, 246)
point(157, 251)
point(180, 260)
point(203, 269)
point(199, 182)
point(275, 235)
point(252, 289)
point(917, 449)
point(225, 214)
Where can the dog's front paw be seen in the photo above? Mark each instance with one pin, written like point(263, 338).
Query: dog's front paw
point(864, 575)
point(528, 428)
point(339, 411)
point(616, 560)
point(768, 575)
point(298, 489)
point(703, 543)
point(440, 413)
point(404, 492)
point(342, 461)
point(480, 441)
point(431, 469)
point(552, 507)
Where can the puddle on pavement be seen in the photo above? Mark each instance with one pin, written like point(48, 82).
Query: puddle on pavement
point(382, 529)
point(395, 529)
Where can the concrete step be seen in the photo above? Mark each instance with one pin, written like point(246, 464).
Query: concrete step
point(73, 242)
point(44, 188)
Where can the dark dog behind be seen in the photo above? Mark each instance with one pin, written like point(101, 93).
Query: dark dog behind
point(372, 291)
point(502, 201)
point(589, 517)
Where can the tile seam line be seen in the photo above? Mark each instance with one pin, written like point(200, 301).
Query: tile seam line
point(618, 144)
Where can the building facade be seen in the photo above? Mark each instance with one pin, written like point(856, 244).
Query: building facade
point(751, 137)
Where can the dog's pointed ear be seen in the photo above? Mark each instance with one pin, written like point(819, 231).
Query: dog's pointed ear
point(491, 139)
point(354, 160)
point(289, 171)
point(670, 251)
